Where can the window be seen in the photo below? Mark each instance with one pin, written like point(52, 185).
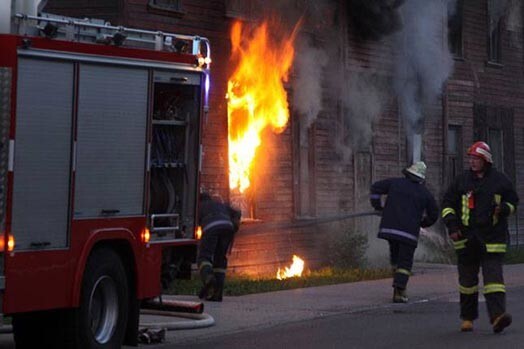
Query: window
point(454, 160)
point(241, 9)
point(455, 19)
point(495, 12)
point(166, 7)
point(496, 143)
point(304, 170)
point(495, 125)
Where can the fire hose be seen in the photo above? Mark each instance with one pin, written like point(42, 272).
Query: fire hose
point(306, 222)
point(194, 311)
point(180, 309)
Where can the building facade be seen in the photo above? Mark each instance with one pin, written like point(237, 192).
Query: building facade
point(372, 88)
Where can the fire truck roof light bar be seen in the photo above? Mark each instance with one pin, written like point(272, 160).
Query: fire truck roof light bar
point(157, 38)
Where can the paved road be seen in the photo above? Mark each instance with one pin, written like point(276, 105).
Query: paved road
point(361, 311)
point(425, 324)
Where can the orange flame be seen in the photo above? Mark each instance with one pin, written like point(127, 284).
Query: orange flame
point(296, 269)
point(198, 233)
point(256, 96)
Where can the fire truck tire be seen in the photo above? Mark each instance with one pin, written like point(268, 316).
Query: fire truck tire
point(103, 312)
point(35, 329)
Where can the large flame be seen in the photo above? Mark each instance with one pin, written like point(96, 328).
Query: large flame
point(256, 95)
point(295, 269)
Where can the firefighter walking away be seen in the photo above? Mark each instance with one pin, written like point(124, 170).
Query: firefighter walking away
point(219, 223)
point(408, 207)
point(475, 211)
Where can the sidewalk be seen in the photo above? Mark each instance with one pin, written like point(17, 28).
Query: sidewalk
point(237, 314)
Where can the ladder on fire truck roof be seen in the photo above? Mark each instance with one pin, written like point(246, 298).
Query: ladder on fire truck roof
point(99, 31)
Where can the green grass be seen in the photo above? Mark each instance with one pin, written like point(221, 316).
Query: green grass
point(514, 255)
point(238, 286)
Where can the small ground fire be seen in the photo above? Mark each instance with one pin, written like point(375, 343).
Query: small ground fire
point(295, 270)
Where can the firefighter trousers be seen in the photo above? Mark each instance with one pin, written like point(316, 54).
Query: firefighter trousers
point(213, 249)
point(401, 259)
point(470, 259)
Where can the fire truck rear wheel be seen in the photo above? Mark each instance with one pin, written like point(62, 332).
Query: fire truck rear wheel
point(103, 311)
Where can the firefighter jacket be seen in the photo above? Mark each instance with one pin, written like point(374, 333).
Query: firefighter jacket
point(469, 208)
point(218, 216)
point(409, 206)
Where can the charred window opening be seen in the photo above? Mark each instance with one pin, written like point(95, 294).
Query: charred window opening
point(374, 19)
point(455, 25)
point(495, 15)
point(166, 7)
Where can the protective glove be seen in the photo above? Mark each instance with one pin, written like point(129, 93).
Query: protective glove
point(502, 210)
point(455, 235)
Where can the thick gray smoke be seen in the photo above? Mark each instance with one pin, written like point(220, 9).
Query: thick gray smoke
point(363, 96)
point(310, 63)
point(422, 61)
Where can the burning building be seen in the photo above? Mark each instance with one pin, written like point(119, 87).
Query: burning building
point(312, 101)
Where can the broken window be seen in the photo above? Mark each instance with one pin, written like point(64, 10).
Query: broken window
point(495, 15)
point(455, 19)
point(170, 7)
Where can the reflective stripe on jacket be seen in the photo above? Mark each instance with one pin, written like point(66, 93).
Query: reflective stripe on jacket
point(469, 207)
point(409, 205)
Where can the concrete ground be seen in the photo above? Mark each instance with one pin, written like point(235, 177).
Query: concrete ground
point(256, 311)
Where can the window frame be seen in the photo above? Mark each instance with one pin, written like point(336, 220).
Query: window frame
point(494, 28)
point(174, 8)
point(457, 17)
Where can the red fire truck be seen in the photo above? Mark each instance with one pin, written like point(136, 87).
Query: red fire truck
point(100, 151)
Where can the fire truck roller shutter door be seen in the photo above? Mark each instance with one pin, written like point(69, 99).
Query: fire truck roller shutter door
point(111, 140)
point(42, 153)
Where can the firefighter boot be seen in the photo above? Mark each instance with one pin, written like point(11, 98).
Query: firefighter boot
point(501, 322)
point(400, 295)
point(219, 289)
point(208, 281)
point(466, 326)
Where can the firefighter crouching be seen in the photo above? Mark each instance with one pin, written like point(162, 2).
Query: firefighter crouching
point(219, 223)
point(475, 211)
point(409, 206)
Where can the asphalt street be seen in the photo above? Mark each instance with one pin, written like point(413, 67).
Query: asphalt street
point(423, 324)
point(352, 315)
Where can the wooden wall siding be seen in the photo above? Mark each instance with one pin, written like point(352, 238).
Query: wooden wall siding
point(262, 247)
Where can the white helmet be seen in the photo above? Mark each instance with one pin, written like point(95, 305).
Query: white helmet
point(418, 169)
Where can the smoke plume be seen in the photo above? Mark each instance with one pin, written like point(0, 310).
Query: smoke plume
point(310, 63)
point(422, 60)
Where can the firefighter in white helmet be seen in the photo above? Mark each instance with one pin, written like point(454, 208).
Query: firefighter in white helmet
point(475, 211)
point(409, 206)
